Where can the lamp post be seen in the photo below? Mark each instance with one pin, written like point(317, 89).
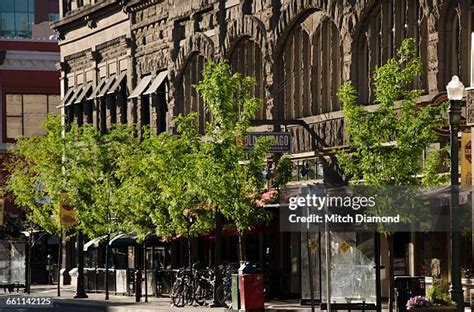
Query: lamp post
point(80, 291)
point(455, 90)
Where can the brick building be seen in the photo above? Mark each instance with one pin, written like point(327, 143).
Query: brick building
point(29, 91)
point(135, 61)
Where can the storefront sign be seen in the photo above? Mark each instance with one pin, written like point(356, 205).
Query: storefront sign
point(281, 141)
point(67, 212)
point(466, 159)
point(2, 210)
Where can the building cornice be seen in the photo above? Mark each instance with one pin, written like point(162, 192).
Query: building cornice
point(87, 16)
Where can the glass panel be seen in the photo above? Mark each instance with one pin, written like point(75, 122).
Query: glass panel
point(21, 24)
point(35, 104)
point(53, 102)
point(7, 5)
point(310, 242)
point(33, 124)
point(320, 170)
point(311, 167)
point(351, 267)
point(21, 6)
point(8, 23)
point(31, 6)
point(14, 127)
point(14, 104)
point(294, 171)
point(18, 263)
point(4, 262)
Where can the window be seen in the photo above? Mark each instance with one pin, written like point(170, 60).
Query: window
point(17, 18)
point(53, 17)
point(311, 68)
point(309, 169)
point(25, 112)
point(190, 99)
point(247, 59)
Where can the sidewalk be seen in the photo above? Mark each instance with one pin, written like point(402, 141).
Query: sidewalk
point(97, 303)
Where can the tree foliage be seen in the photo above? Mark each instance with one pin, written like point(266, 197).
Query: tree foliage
point(36, 175)
point(388, 143)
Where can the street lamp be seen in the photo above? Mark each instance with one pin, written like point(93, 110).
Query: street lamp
point(455, 90)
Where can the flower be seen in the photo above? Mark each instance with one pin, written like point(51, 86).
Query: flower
point(270, 197)
point(417, 302)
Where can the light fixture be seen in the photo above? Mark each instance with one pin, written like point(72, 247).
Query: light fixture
point(455, 89)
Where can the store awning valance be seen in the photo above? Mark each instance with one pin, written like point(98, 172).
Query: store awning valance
point(73, 97)
point(117, 83)
point(123, 240)
point(142, 85)
point(83, 93)
point(66, 97)
point(97, 88)
point(156, 83)
point(94, 243)
point(107, 86)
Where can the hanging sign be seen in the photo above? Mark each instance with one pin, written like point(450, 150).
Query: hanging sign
point(281, 141)
point(2, 211)
point(67, 212)
point(466, 159)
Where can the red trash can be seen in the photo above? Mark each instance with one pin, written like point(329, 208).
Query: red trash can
point(252, 297)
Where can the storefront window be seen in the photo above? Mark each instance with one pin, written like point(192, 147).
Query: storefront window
point(25, 112)
point(17, 18)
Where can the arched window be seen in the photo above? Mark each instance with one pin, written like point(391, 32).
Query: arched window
point(385, 27)
point(190, 101)
point(451, 46)
point(311, 68)
point(246, 58)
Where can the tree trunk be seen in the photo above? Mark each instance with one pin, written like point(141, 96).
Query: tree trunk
point(60, 258)
point(107, 267)
point(28, 266)
point(242, 254)
point(189, 252)
point(145, 269)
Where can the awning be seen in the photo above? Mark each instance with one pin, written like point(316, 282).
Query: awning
point(107, 86)
point(73, 98)
point(83, 94)
point(156, 83)
point(97, 88)
point(117, 83)
point(66, 97)
point(94, 243)
point(123, 240)
point(142, 85)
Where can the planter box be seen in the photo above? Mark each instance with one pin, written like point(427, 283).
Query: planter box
point(434, 309)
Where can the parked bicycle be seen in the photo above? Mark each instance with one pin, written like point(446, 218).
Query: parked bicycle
point(224, 290)
point(182, 292)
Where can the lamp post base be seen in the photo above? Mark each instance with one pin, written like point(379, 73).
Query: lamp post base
point(80, 296)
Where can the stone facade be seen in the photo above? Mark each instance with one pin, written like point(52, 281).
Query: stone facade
point(299, 52)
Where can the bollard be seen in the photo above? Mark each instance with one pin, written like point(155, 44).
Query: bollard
point(138, 285)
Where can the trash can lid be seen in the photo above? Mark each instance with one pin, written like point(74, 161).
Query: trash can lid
point(247, 268)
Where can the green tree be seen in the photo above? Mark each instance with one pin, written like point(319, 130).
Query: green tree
point(388, 143)
point(36, 178)
point(232, 177)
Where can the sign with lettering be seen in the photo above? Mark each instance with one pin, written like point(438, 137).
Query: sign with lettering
point(466, 159)
point(67, 212)
point(281, 141)
point(470, 108)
